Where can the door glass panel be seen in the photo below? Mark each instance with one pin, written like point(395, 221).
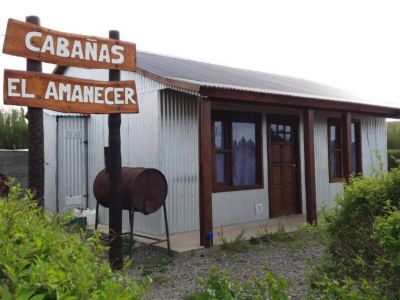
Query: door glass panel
point(244, 153)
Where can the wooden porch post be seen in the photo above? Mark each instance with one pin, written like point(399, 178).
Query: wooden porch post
point(205, 139)
point(346, 144)
point(309, 157)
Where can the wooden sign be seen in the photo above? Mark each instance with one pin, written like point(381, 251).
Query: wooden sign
point(66, 94)
point(47, 45)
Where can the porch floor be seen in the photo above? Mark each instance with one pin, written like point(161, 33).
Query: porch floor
point(187, 243)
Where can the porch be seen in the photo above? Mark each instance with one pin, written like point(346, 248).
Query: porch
point(187, 243)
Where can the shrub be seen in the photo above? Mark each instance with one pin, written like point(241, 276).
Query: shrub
point(393, 135)
point(41, 260)
point(361, 234)
point(220, 286)
point(393, 158)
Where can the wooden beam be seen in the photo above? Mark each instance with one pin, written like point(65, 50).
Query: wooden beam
point(297, 102)
point(206, 164)
point(346, 144)
point(309, 158)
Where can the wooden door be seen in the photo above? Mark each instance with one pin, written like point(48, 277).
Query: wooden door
point(283, 162)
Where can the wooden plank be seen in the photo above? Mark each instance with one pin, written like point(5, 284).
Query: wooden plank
point(346, 144)
point(206, 172)
point(309, 160)
point(245, 97)
point(66, 94)
point(66, 49)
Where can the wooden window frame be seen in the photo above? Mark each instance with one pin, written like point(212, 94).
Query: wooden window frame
point(227, 118)
point(357, 131)
point(337, 122)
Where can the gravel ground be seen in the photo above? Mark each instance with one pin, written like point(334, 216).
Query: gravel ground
point(176, 277)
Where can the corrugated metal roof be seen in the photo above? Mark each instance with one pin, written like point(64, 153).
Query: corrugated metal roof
point(61, 114)
point(211, 75)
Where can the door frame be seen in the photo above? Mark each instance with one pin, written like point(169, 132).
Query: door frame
point(295, 119)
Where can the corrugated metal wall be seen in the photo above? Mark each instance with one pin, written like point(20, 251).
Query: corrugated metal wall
point(374, 144)
point(50, 162)
point(325, 191)
point(373, 139)
point(164, 135)
point(179, 159)
point(139, 140)
point(72, 162)
point(240, 206)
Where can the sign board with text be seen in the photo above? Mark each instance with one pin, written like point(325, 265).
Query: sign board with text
point(47, 45)
point(66, 94)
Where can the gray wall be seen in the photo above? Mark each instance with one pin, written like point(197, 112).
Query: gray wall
point(14, 163)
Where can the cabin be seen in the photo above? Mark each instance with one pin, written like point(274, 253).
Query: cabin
point(236, 146)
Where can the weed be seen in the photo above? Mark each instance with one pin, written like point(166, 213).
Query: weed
point(239, 244)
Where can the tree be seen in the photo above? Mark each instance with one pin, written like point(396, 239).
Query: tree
point(393, 135)
point(13, 129)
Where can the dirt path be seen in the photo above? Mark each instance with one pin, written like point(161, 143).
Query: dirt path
point(177, 277)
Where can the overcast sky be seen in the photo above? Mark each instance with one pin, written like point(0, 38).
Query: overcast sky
point(353, 45)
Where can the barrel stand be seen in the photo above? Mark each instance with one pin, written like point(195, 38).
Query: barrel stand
point(131, 226)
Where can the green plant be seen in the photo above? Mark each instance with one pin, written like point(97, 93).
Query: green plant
point(393, 158)
point(41, 260)
point(281, 235)
point(13, 129)
point(239, 244)
point(219, 285)
point(361, 238)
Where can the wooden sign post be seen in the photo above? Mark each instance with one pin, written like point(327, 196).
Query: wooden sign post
point(37, 90)
point(35, 136)
point(115, 178)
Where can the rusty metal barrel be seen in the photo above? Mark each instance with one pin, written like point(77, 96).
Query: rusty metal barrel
point(145, 190)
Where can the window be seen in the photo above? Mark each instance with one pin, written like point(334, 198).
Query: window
point(237, 151)
point(336, 149)
point(356, 148)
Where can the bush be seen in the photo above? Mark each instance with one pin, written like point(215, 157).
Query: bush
point(393, 158)
point(39, 259)
point(393, 135)
point(220, 286)
point(362, 232)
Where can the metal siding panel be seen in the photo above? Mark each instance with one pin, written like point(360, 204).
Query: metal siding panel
point(325, 191)
point(50, 162)
point(374, 144)
point(71, 161)
point(139, 142)
point(179, 159)
point(239, 206)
